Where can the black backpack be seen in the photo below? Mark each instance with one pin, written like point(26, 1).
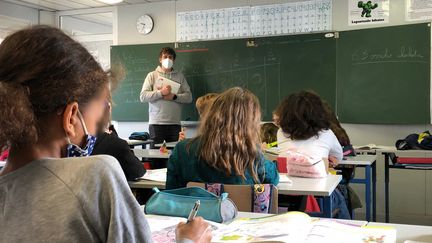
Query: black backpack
point(422, 141)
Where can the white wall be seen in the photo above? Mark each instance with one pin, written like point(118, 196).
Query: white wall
point(19, 12)
point(410, 202)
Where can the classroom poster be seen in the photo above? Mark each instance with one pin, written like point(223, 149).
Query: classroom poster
point(263, 20)
point(368, 12)
point(418, 10)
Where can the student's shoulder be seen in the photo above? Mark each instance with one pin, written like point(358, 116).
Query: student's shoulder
point(97, 167)
point(326, 134)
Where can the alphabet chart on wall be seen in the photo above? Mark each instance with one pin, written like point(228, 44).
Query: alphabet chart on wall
point(275, 19)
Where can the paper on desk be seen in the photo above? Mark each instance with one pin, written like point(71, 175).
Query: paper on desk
point(155, 175)
point(163, 227)
point(283, 178)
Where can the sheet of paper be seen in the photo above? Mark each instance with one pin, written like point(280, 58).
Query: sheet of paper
point(156, 175)
point(161, 81)
point(418, 10)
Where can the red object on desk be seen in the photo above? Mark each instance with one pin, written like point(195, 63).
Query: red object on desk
point(282, 164)
point(413, 160)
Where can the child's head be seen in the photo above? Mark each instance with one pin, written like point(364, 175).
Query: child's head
point(47, 80)
point(302, 115)
point(268, 132)
point(229, 134)
point(203, 103)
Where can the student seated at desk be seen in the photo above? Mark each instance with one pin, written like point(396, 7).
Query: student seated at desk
point(305, 128)
point(202, 104)
point(109, 143)
point(227, 148)
point(53, 93)
point(268, 134)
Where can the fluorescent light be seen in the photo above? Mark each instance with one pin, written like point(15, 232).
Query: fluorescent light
point(111, 1)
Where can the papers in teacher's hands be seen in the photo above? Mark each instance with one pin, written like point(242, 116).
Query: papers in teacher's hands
point(161, 81)
point(156, 175)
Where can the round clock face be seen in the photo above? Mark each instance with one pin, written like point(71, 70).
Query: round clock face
point(144, 24)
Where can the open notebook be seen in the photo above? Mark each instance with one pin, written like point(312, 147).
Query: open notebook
point(299, 227)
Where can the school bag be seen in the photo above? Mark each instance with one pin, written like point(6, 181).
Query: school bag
point(422, 141)
point(140, 136)
point(303, 165)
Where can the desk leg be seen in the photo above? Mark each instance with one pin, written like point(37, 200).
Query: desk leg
point(368, 191)
point(327, 207)
point(386, 182)
point(374, 191)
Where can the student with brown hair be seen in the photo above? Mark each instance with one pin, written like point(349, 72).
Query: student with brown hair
point(202, 104)
point(268, 134)
point(305, 128)
point(52, 95)
point(227, 148)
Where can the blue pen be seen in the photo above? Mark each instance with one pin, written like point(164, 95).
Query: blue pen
point(194, 211)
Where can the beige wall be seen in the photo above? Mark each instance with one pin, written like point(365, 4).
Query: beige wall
point(410, 202)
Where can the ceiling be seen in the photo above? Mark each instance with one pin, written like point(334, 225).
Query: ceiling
point(62, 5)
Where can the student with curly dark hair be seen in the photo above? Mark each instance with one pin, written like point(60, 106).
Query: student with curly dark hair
point(52, 96)
point(305, 127)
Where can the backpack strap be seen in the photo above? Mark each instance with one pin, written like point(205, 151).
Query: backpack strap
point(261, 198)
point(215, 188)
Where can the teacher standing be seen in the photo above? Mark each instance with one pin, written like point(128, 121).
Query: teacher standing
point(165, 106)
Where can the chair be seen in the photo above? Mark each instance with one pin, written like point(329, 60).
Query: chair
point(242, 197)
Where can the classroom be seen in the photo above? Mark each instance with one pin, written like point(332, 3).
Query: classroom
point(367, 64)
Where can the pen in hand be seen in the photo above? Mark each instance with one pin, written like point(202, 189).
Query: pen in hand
point(194, 211)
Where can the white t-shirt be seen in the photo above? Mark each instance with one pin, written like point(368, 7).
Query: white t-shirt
point(321, 146)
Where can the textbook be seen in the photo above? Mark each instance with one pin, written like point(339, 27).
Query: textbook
point(161, 81)
point(373, 146)
point(300, 227)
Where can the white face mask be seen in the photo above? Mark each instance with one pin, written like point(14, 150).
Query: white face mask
point(167, 63)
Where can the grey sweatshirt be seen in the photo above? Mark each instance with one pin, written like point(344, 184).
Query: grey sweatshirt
point(70, 200)
point(164, 112)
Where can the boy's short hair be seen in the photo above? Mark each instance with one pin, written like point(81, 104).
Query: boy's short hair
point(202, 103)
point(268, 132)
point(169, 51)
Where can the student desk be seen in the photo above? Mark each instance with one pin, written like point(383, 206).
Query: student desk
point(409, 232)
point(150, 154)
point(323, 187)
point(143, 143)
point(369, 163)
point(388, 153)
point(168, 145)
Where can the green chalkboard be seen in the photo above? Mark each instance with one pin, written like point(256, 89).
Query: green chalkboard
point(383, 75)
point(271, 67)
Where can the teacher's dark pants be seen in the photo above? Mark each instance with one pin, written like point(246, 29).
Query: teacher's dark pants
point(159, 133)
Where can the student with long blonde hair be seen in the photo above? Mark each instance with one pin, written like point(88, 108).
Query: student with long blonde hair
point(227, 148)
